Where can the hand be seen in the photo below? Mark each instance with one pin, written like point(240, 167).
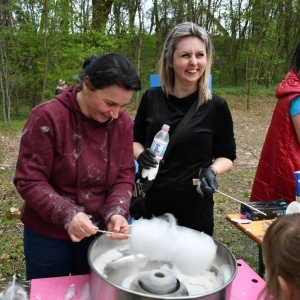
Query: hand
point(146, 159)
point(208, 182)
point(80, 227)
point(118, 224)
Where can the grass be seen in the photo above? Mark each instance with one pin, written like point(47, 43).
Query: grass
point(14, 126)
point(257, 91)
point(11, 243)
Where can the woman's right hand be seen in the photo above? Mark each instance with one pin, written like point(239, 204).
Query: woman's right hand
point(80, 227)
point(146, 159)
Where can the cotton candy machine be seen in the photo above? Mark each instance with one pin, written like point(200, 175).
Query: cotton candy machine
point(133, 277)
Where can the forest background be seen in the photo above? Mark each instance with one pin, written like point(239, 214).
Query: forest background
point(44, 40)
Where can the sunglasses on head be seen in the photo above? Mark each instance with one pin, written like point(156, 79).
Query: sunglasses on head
point(188, 27)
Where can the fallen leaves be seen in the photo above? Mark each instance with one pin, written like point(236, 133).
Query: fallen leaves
point(4, 256)
point(15, 212)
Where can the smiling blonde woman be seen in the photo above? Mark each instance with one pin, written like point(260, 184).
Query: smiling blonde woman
point(206, 147)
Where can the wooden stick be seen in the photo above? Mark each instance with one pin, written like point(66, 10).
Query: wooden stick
point(241, 202)
point(110, 232)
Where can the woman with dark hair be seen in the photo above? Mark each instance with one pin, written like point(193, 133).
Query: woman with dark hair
point(206, 147)
point(75, 170)
point(280, 156)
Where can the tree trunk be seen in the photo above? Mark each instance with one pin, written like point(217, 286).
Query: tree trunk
point(4, 71)
point(101, 10)
point(140, 42)
point(46, 11)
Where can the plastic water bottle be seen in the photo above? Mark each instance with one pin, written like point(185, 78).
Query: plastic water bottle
point(297, 181)
point(159, 146)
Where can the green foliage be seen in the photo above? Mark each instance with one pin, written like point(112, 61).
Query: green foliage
point(253, 47)
point(14, 126)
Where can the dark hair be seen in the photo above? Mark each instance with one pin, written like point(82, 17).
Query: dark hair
point(296, 58)
point(109, 69)
point(281, 248)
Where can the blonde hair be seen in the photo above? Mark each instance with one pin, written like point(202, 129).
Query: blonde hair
point(281, 253)
point(166, 73)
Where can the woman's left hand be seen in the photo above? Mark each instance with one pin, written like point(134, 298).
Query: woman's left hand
point(118, 224)
point(208, 182)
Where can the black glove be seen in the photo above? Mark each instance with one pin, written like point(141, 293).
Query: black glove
point(146, 159)
point(208, 182)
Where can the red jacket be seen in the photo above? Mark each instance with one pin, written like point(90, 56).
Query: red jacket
point(68, 163)
point(280, 156)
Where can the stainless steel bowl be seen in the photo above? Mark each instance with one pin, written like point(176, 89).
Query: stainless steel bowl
point(110, 287)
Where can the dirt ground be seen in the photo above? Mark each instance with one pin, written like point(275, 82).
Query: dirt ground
point(250, 127)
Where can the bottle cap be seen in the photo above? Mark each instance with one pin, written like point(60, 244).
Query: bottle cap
point(166, 127)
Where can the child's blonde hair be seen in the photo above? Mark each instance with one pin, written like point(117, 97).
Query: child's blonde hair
point(281, 253)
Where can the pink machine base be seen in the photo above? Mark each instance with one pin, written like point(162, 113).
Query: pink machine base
point(246, 286)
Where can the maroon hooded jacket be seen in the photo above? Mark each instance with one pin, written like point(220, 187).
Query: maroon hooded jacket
point(280, 156)
point(68, 163)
